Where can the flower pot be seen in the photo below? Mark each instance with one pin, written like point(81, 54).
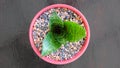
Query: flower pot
point(81, 50)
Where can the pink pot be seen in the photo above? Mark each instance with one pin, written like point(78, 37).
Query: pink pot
point(82, 50)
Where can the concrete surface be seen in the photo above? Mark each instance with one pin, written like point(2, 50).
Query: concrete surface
point(104, 20)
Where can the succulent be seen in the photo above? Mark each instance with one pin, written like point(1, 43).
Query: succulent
point(60, 33)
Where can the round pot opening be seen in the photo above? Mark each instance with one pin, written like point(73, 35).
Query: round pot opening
point(39, 26)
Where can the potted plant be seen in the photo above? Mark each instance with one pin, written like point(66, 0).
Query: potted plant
point(59, 34)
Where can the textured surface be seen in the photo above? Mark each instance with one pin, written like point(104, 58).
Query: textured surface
point(104, 20)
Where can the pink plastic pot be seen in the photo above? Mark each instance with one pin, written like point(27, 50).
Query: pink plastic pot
point(82, 50)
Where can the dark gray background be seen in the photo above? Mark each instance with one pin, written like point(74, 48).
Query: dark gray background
point(104, 20)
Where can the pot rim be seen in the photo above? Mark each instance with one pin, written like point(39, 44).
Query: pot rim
point(84, 46)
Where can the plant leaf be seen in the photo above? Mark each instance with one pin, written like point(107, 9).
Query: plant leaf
point(50, 44)
point(57, 27)
point(74, 32)
point(55, 20)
